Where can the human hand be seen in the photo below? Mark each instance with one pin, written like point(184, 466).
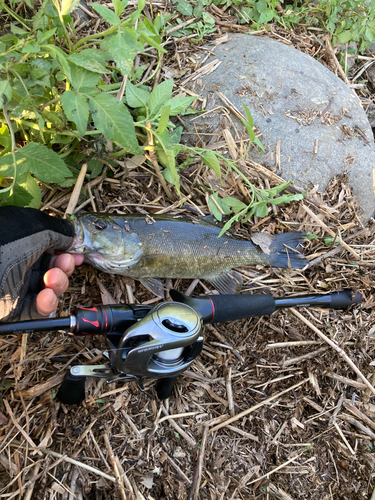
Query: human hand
point(29, 240)
point(56, 282)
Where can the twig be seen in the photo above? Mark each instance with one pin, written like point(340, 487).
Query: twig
point(153, 159)
point(356, 411)
point(120, 93)
point(346, 380)
point(309, 355)
point(194, 491)
point(359, 426)
point(257, 406)
point(335, 347)
point(113, 461)
point(179, 415)
point(186, 436)
point(275, 470)
point(329, 49)
point(228, 384)
point(76, 191)
point(344, 438)
point(329, 231)
point(18, 427)
point(177, 468)
point(72, 461)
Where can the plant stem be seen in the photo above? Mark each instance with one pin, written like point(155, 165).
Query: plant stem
point(16, 16)
point(14, 147)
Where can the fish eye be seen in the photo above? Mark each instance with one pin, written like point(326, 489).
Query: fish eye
point(100, 224)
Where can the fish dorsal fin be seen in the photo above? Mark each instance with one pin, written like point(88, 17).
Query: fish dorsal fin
point(154, 285)
point(228, 282)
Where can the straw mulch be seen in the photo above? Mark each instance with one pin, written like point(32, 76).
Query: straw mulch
point(268, 410)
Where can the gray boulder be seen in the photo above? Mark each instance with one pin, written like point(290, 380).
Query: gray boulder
point(319, 121)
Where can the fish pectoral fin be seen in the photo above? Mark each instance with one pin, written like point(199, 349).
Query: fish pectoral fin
point(154, 285)
point(228, 282)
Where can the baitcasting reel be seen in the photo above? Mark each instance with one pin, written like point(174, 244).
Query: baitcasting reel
point(161, 346)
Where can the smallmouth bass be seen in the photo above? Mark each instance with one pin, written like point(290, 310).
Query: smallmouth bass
point(163, 246)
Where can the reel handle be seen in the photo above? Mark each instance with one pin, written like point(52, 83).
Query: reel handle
point(72, 390)
point(164, 387)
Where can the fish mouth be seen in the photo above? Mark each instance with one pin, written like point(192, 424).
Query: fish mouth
point(80, 240)
point(78, 244)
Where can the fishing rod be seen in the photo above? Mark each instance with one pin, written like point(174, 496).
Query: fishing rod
point(159, 342)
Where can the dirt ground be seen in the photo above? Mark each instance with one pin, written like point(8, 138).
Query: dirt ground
point(269, 410)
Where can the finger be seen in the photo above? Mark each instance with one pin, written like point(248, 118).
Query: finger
point(56, 280)
point(46, 302)
point(67, 262)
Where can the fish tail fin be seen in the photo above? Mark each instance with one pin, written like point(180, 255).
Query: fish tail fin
point(284, 251)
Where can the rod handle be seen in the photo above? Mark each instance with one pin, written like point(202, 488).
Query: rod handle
point(72, 390)
point(232, 307)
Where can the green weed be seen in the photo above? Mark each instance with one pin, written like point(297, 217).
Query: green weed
point(62, 97)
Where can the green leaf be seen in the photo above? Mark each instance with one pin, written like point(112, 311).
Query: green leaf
point(261, 5)
point(266, 16)
point(5, 92)
point(16, 30)
point(184, 8)
point(141, 5)
point(82, 78)
point(145, 38)
point(261, 209)
point(68, 6)
point(270, 193)
point(344, 37)
point(87, 59)
point(30, 46)
point(179, 104)
point(210, 159)
point(171, 165)
point(175, 135)
point(119, 7)
point(160, 94)
point(233, 203)
point(249, 124)
point(95, 168)
point(5, 139)
point(17, 196)
point(114, 121)
point(76, 109)
point(209, 22)
point(44, 163)
point(287, 198)
point(198, 9)
point(107, 14)
point(32, 187)
point(369, 34)
point(167, 175)
point(122, 54)
point(213, 207)
point(136, 97)
point(257, 142)
point(60, 58)
point(164, 118)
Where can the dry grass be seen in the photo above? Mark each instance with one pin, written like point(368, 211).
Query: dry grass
point(269, 409)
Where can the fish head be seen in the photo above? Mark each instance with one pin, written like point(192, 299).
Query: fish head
point(104, 240)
